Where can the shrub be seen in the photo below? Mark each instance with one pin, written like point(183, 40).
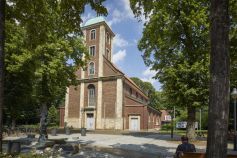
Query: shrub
point(53, 116)
point(166, 127)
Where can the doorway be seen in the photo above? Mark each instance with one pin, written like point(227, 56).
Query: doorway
point(90, 121)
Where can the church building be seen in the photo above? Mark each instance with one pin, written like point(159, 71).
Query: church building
point(106, 98)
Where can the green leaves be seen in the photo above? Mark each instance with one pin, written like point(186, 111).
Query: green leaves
point(43, 49)
point(175, 43)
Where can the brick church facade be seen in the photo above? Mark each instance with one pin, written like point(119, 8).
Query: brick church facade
point(105, 97)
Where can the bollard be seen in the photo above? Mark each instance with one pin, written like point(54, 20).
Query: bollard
point(83, 131)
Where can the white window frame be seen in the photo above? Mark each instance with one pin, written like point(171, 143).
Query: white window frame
point(167, 118)
point(90, 50)
point(89, 69)
point(90, 34)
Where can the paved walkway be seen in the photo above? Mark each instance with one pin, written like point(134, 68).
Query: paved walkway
point(149, 142)
point(153, 144)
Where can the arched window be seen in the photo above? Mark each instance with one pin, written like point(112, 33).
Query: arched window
point(91, 95)
point(91, 68)
point(92, 34)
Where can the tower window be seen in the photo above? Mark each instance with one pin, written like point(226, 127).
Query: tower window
point(107, 38)
point(92, 50)
point(107, 53)
point(91, 95)
point(92, 34)
point(91, 68)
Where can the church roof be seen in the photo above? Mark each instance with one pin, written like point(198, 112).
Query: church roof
point(95, 20)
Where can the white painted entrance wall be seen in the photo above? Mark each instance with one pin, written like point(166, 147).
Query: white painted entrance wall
point(134, 123)
point(90, 121)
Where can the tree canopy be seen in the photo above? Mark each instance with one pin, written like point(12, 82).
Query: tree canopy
point(155, 97)
point(175, 44)
point(43, 49)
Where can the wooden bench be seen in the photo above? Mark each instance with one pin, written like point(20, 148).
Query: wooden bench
point(202, 155)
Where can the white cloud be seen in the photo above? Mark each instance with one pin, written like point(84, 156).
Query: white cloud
point(148, 72)
point(119, 41)
point(128, 10)
point(86, 17)
point(151, 80)
point(123, 14)
point(148, 75)
point(119, 56)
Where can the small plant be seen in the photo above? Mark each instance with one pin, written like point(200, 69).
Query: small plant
point(53, 117)
point(166, 127)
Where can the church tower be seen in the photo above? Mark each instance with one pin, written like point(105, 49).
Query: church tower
point(98, 38)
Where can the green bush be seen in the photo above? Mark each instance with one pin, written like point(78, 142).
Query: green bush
point(166, 127)
point(53, 117)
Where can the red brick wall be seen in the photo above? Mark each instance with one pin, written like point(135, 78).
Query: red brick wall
point(108, 70)
point(74, 102)
point(164, 113)
point(130, 101)
point(109, 98)
point(139, 110)
point(95, 43)
point(61, 116)
point(155, 117)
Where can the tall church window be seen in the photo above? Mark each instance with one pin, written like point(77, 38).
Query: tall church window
point(91, 95)
point(93, 34)
point(92, 50)
point(91, 68)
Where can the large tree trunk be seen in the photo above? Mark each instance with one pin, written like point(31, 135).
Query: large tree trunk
point(43, 123)
point(44, 109)
point(191, 123)
point(219, 85)
point(2, 30)
point(13, 124)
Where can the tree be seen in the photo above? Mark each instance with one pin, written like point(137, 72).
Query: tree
point(175, 44)
point(19, 74)
point(219, 86)
point(150, 91)
point(2, 31)
point(51, 46)
point(233, 44)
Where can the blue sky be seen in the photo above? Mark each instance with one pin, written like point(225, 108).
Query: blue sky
point(127, 31)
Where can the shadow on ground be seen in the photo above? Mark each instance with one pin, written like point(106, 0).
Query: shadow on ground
point(145, 148)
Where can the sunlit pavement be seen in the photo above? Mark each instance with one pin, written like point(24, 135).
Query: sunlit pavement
point(152, 143)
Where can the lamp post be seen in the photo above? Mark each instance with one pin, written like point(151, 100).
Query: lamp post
point(234, 96)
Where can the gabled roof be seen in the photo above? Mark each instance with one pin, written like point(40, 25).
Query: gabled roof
point(112, 65)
